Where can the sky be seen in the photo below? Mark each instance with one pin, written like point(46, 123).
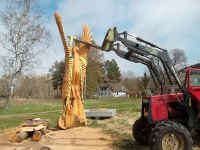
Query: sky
point(170, 24)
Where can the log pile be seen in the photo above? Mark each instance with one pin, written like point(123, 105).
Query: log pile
point(31, 128)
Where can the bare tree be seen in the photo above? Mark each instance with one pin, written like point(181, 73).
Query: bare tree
point(23, 39)
point(179, 58)
point(39, 87)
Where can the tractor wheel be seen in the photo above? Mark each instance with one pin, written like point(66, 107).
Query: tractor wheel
point(141, 131)
point(169, 135)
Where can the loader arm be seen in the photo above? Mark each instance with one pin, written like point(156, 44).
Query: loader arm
point(145, 61)
point(142, 48)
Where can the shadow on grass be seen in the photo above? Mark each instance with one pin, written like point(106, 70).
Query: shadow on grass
point(128, 144)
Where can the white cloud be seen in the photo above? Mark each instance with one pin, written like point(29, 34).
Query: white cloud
point(170, 24)
point(172, 20)
point(99, 15)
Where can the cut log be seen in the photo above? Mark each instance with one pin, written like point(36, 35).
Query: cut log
point(35, 128)
point(37, 136)
point(19, 137)
point(15, 139)
point(23, 135)
point(34, 122)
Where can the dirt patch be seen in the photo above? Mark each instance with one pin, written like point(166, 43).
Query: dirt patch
point(86, 138)
point(120, 124)
point(82, 138)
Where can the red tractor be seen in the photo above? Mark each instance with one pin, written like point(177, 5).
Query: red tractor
point(169, 119)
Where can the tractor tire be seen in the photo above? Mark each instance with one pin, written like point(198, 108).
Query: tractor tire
point(141, 131)
point(169, 135)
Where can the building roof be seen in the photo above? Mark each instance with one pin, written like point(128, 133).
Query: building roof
point(116, 87)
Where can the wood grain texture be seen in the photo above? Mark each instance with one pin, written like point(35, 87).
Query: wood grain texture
point(73, 82)
point(37, 136)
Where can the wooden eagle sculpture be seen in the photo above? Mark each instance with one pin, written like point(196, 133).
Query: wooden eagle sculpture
point(73, 81)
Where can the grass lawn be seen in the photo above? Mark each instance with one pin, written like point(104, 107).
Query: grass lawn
point(118, 126)
point(32, 106)
point(120, 104)
point(15, 121)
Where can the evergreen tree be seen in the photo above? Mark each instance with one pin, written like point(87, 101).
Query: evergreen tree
point(95, 71)
point(57, 73)
point(112, 70)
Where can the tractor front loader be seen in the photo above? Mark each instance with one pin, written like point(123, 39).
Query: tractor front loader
point(169, 118)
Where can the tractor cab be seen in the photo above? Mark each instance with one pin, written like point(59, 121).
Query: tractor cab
point(192, 83)
point(165, 106)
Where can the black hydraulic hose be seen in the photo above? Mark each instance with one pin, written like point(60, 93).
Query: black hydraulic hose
point(143, 41)
point(158, 73)
point(140, 50)
point(136, 59)
point(145, 51)
point(177, 80)
point(151, 66)
point(153, 77)
point(167, 72)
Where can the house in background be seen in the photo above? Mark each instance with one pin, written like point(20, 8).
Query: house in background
point(119, 90)
point(108, 89)
point(104, 91)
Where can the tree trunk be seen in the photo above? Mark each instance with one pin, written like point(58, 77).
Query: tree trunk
point(10, 90)
point(8, 100)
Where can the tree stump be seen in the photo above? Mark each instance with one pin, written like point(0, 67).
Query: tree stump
point(36, 136)
point(19, 137)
